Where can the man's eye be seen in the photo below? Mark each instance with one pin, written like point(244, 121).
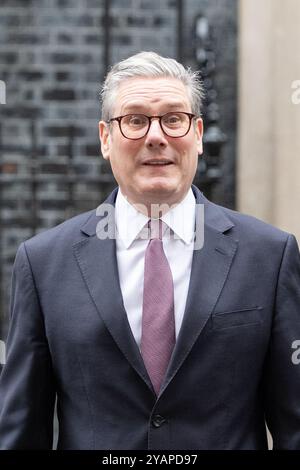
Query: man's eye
point(137, 121)
point(172, 119)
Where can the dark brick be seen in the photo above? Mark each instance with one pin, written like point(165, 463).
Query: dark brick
point(122, 39)
point(8, 57)
point(65, 3)
point(9, 20)
point(158, 21)
point(63, 58)
point(64, 38)
point(105, 168)
point(28, 95)
point(9, 168)
point(7, 204)
point(71, 58)
point(146, 4)
point(25, 38)
point(15, 221)
point(136, 21)
point(92, 150)
point(54, 168)
point(28, 57)
point(42, 150)
point(30, 112)
point(59, 95)
point(95, 3)
point(113, 21)
point(5, 75)
point(30, 75)
point(93, 38)
point(48, 204)
point(121, 4)
point(85, 20)
point(62, 150)
point(64, 131)
point(62, 76)
point(83, 168)
point(12, 3)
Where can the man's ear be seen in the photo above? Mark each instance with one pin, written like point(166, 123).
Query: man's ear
point(105, 139)
point(199, 134)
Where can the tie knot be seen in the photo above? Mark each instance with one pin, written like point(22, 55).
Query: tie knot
point(157, 228)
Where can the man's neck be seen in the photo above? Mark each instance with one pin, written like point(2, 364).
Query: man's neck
point(153, 209)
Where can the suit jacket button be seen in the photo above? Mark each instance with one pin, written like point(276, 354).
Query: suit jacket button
point(158, 421)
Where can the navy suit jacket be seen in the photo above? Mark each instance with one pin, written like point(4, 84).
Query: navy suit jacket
point(232, 368)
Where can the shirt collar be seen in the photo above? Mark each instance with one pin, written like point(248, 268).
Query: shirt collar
point(130, 222)
point(181, 218)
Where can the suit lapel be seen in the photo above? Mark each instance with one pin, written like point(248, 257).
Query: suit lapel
point(210, 268)
point(98, 265)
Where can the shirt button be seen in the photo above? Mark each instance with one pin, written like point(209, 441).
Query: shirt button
point(158, 421)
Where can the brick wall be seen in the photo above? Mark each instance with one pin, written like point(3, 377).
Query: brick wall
point(52, 61)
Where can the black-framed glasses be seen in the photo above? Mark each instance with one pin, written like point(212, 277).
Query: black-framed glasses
point(136, 126)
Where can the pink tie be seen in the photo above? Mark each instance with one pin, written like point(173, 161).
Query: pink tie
point(158, 323)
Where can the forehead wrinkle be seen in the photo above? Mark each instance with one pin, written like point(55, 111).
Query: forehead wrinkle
point(142, 93)
point(137, 106)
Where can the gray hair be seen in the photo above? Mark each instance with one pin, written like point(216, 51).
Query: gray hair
point(150, 65)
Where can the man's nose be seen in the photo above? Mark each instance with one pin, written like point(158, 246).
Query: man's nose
point(155, 136)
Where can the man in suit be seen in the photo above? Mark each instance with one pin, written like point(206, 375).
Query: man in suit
point(154, 343)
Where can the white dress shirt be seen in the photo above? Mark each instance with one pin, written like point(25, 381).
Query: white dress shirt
point(131, 244)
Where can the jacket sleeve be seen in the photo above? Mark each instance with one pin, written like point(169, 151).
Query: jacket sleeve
point(27, 392)
point(282, 378)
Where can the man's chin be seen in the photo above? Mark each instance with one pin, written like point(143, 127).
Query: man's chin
point(159, 190)
point(160, 195)
point(156, 198)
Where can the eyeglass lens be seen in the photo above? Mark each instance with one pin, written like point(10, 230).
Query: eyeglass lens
point(173, 124)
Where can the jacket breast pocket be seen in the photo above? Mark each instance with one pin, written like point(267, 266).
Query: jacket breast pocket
point(240, 317)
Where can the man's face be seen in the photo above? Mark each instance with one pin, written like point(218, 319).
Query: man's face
point(140, 181)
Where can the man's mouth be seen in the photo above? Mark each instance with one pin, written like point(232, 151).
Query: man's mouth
point(158, 162)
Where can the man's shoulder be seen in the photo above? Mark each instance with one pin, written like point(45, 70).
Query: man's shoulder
point(69, 232)
point(66, 233)
point(248, 226)
point(243, 226)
